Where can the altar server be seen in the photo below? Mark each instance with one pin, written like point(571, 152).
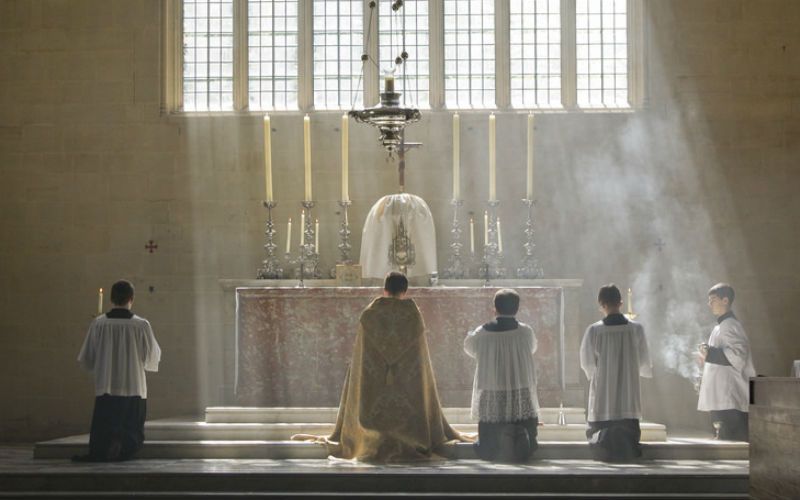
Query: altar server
point(614, 355)
point(727, 368)
point(389, 409)
point(118, 349)
point(504, 398)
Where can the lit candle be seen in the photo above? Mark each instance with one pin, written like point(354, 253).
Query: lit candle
point(630, 302)
point(100, 302)
point(485, 228)
point(289, 236)
point(499, 237)
point(472, 235)
point(492, 165)
point(456, 157)
point(316, 235)
point(529, 191)
point(345, 158)
point(307, 156)
point(388, 83)
point(302, 228)
point(267, 158)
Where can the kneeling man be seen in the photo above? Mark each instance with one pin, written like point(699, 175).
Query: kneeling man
point(614, 355)
point(389, 409)
point(504, 399)
point(118, 349)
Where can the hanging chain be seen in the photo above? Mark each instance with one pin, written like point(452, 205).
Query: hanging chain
point(365, 57)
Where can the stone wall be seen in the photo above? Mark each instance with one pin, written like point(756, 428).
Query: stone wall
point(91, 170)
point(774, 438)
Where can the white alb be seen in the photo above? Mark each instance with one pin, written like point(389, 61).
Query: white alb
point(726, 387)
point(613, 358)
point(118, 351)
point(504, 387)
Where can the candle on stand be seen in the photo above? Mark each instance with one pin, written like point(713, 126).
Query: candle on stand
point(485, 227)
point(529, 189)
point(630, 302)
point(316, 235)
point(302, 228)
point(499, 237)
point(388, 83)
point(492, 159)
point(100, 302)
point(471, 235)
point(307, 156)
point(345, 158)
point(289, 236)
point(267, 159)
point(456, 157)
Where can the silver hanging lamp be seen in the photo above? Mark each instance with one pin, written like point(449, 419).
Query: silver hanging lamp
point(389, 116)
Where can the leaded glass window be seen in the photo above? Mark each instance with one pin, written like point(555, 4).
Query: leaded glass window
point(272, 54)
point(469, 54)
point(207, 55)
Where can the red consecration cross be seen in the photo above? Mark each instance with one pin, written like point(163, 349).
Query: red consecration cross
point(151, 246)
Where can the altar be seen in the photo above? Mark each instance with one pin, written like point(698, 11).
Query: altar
point(293, 345)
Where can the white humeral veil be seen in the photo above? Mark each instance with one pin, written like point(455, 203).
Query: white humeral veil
point(381, 226)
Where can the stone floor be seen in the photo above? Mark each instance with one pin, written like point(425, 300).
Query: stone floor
point(19, 459)
point(23, 476)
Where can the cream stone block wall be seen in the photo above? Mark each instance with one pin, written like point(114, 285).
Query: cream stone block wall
point(90, 170)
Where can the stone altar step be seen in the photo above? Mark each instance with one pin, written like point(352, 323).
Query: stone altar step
point(246, 414)
point(673, 449)
point(169, 479)
point(170, 430)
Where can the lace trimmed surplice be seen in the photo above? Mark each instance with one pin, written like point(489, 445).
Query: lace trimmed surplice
point(504, 387)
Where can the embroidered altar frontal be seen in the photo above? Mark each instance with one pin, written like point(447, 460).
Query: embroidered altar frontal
point(294, 344)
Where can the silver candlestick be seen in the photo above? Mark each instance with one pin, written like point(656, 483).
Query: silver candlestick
point(344, 238)
point(530, 268)
point(307, 261)
point(493, 261)
point(270, 267)
point(455, 265)
point(344, 233)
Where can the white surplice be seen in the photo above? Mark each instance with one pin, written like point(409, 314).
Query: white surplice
point(504, 387)
point(726, 387)
point(118, 351)
point(613, 358)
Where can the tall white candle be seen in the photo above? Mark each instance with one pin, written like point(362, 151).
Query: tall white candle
point(345, 158)
point(100, 302)
point(307, 156)
point(302, 228)
point(485, 228)
point(492, 159)
point(499, 237)
point(456, 157)
point(289, 236)
point(267, 159)
point(316, 235)
point(471, 235)
point(529, 185)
